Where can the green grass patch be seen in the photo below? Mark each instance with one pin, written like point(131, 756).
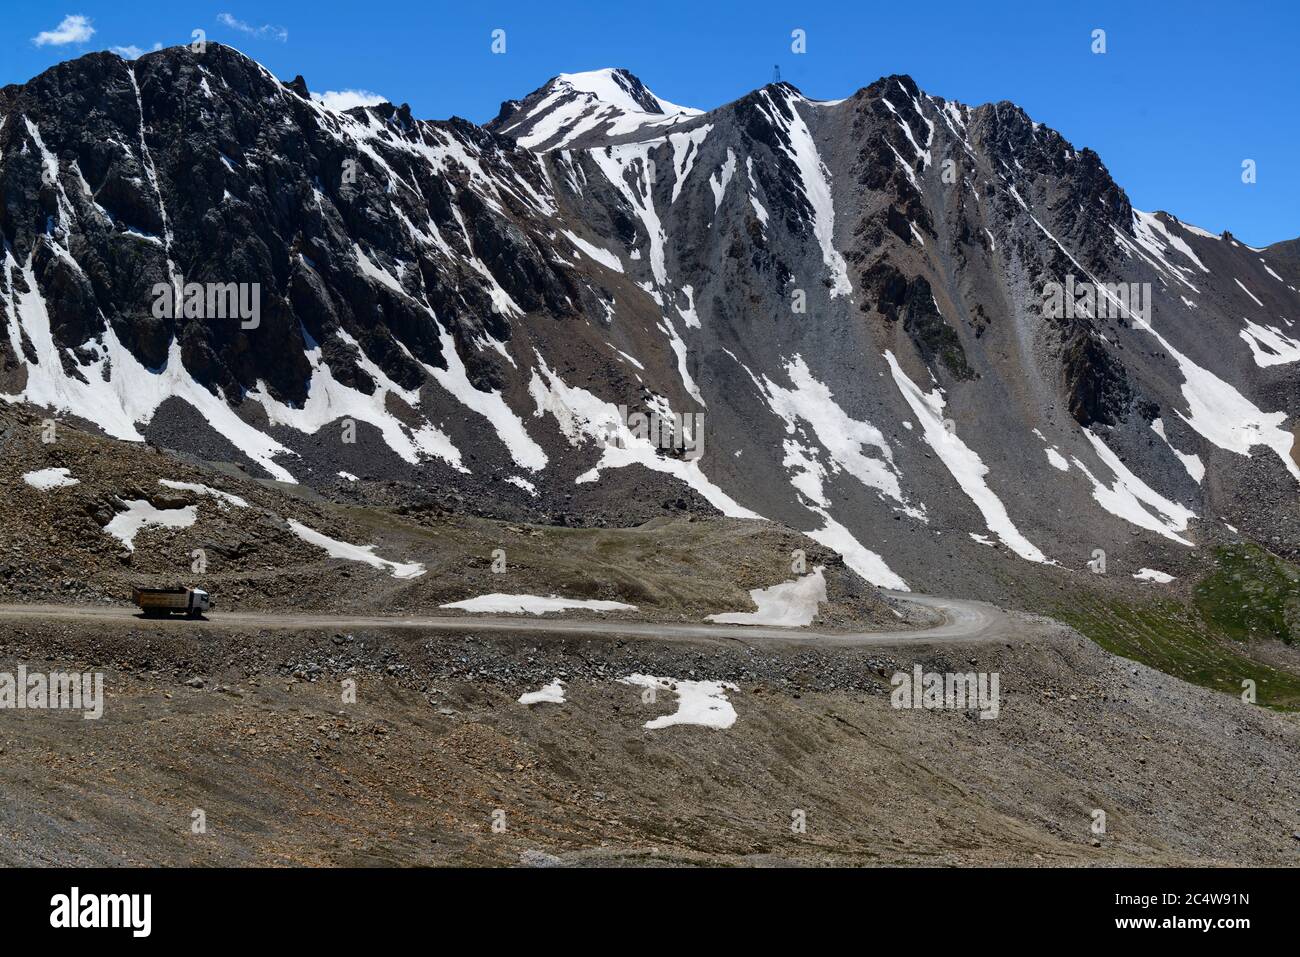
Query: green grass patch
point(1179, 641)
point(1251, 595)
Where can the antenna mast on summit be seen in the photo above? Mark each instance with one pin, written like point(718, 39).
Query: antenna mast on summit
point(776, 73)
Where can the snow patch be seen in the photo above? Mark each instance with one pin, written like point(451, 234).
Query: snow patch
point(552, 693)
point(140, 514)
point(718, 183)
point(1248, 292)
point(1216, 409)
point(1268, 269)
point(1269, 345)
point(593, 252)
point(862, 560)
point(613, 162)
point(1151, 224)
point(1152, 575)
point(1192, 462)
point(355, 553)
point(500, 604)
point(46, 479)
point(701, 703)
point(225, 497)
point(523, 483)
point(853, 445)
point(329, 400)
point(490, 405)
point(686, 150)
point(1057, 459)
point(791, 604)
point(115, 391)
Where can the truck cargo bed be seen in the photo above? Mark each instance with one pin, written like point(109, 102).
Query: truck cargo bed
point(164, 601)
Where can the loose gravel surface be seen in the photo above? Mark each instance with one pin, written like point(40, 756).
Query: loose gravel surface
point(251, 728)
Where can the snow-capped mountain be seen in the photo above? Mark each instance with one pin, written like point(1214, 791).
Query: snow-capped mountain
point(853, 295)
point(581, 108)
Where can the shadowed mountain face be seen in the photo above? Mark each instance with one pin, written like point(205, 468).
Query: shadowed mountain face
point(935, 337)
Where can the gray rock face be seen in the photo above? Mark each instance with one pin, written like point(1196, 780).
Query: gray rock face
point(854, 296)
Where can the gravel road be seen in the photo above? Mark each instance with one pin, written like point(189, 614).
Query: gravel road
point(962, 621)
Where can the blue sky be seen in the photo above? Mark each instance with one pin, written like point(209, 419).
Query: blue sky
point(1183, 94)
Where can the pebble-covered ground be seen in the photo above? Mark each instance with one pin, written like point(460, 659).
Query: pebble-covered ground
point(253, 730)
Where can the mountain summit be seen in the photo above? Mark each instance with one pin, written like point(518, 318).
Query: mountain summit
point(577, 107)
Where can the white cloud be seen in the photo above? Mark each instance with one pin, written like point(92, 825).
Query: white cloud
point(131, 51)
point(265, 30)
point(346, 99)
point(74, 29)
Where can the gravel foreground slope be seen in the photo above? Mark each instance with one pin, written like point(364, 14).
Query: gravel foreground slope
point(251, 730)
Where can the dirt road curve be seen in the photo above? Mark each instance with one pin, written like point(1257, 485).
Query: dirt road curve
point(963, 621)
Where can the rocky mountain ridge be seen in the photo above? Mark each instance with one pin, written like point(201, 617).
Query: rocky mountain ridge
point(850, 292)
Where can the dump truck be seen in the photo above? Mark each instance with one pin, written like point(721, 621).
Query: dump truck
point(163, 602)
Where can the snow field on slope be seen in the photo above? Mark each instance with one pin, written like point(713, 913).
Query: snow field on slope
point(1057, 459)
point(1132, 499)
point(613, 161)
point(718, 183)
point(862, 560)
point(508, 426)
point(593, 252)
point(962, 462)
point(1269, 346)
point(817, 188)
point(686, 150)
point(583, 417)
point(1243, 288)
point(1216, 409)
point(329, 400)
point(845, 440)
point(134, 397)
point(130, 393)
